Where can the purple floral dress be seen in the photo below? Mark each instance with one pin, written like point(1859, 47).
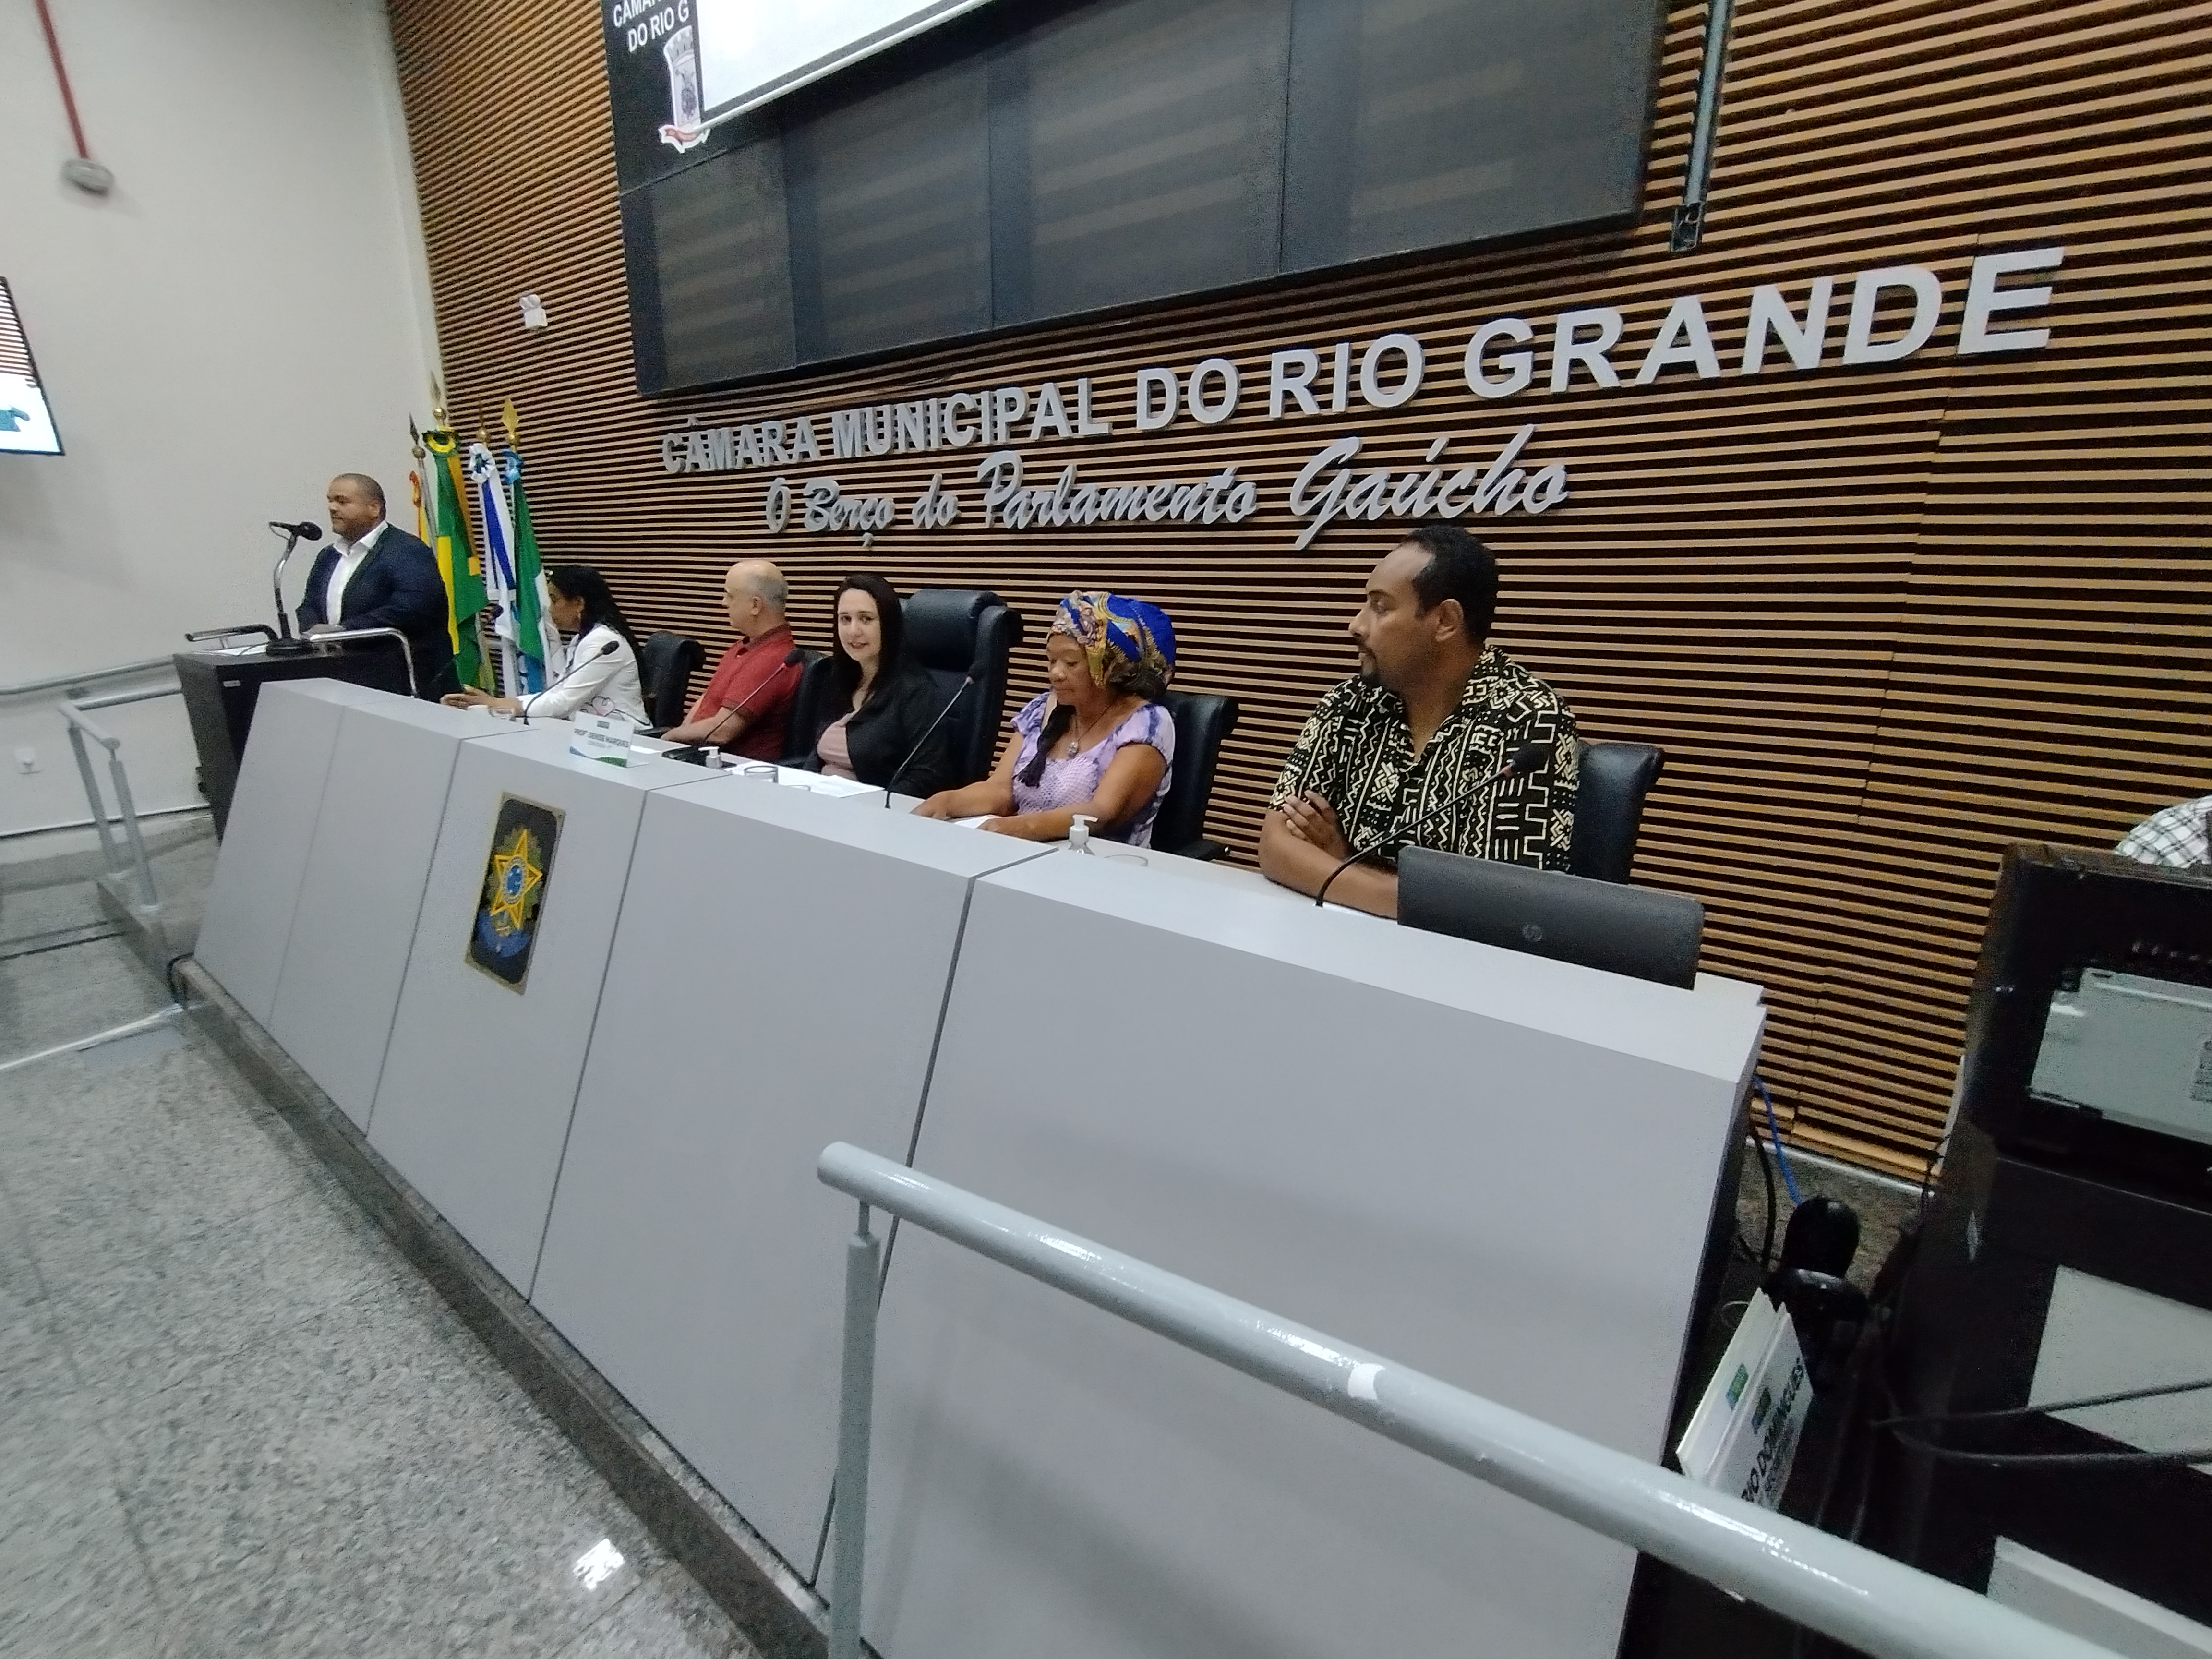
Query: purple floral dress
point(1069, 779)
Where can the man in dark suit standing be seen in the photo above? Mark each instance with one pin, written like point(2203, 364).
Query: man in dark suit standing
point(374, 575)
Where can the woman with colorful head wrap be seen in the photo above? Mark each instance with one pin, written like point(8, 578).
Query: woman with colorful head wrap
point(1097, 745)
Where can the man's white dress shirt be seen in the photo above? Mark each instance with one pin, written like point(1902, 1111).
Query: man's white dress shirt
point(350, 558)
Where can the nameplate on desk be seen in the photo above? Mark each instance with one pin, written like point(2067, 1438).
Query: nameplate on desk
point(603, 737)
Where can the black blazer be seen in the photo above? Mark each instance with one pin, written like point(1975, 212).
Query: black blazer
point(886, 728)
point(397, 585)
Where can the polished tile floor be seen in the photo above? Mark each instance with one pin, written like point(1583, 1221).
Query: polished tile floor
point(232, 1419)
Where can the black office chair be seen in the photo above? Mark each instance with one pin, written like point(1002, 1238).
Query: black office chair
point(1203, 722)
point(1609, 805)
point(812, 707)
point(665, 666)
point(957, 631)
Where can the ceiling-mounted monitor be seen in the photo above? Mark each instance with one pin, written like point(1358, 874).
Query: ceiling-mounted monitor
point(750, 53)
point(724, 58)
point(27, 425)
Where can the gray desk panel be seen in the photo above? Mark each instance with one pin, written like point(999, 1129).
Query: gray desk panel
point(775, 984)
point(479, 1080)
point(370, 856)
point(264, 846)
point(1498, 1168)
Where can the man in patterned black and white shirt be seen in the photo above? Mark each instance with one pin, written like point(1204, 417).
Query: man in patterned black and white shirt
point(1434, 709)
point(2176, 837)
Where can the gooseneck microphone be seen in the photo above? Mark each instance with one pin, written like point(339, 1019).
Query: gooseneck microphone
point(305, 531)
point(606, 646)
point(1521, 762)
point(966, 681)
point(792, 658)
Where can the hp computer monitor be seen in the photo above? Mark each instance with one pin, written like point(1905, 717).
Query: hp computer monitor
point(1637, 931)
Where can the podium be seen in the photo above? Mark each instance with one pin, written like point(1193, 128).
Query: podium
point(222, 688)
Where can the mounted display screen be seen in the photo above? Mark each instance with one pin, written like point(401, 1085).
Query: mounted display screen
point(27, 425)
point(1015, 165)
point(748, 53)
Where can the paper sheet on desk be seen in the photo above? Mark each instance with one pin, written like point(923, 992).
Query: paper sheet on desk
point(795, 777)
point(975, 822)
point(823, 784)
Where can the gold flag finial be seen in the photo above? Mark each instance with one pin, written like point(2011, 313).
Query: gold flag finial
point(414, 437)
point(438, 416)
point(509, 419)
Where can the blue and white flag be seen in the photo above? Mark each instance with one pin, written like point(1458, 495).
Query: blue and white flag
point(493, 514)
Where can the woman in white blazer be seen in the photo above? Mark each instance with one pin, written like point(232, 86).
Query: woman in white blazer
point(597, 674)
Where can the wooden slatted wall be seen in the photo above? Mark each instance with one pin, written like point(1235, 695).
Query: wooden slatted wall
point(1884, 619)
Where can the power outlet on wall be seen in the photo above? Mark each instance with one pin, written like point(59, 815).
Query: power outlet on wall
point(26, 759)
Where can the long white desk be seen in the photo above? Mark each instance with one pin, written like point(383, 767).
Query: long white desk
point(266, 851)
point(383, 804)
point(1493, 1167)
point(1497, 1169)
point(746, 1025)
point(480, 1078)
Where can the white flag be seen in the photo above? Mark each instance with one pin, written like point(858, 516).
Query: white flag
point(498, 524)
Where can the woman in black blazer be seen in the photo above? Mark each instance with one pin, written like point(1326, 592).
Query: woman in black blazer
point(881, 702)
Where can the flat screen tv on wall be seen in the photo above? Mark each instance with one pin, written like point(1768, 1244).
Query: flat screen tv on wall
point(27, 425)
point(932, 174)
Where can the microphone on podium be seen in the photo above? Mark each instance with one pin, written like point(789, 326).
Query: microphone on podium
point(1521, 762)
point(282, 643)
point(606, 645)
point(966, 681)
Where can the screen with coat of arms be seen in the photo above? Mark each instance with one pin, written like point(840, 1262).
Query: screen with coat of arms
point(504, 933)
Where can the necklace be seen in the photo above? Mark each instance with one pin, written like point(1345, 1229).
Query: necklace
point(1075, 743)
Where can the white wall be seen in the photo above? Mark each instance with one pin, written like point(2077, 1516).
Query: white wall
point(243, 315)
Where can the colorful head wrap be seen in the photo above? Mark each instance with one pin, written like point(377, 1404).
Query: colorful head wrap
point(1128, 644)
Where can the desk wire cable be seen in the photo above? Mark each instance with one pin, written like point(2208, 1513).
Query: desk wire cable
point(1774, 1134)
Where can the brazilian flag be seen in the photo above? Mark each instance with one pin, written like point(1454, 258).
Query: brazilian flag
point(457, 558)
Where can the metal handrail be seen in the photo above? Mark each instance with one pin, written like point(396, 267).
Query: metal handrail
point(1868, 1601)
point(335, 636)
point(116, 699)
point(100, 734)
point(93, 676)
point(83, 726)
point(302, 645)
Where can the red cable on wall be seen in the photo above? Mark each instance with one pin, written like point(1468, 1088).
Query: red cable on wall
point(61, 76)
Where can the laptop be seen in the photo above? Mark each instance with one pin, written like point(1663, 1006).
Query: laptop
point(1637, 931)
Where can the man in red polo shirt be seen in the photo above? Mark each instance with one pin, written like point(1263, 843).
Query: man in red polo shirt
point(747, 704)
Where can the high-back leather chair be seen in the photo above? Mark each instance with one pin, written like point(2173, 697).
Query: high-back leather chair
point(811, 707)
point(1609, 805)
point(1203, 722)
point(665, 666)
point(957, 631)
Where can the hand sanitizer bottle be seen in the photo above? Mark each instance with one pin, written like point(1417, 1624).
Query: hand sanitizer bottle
point(1079, 833)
